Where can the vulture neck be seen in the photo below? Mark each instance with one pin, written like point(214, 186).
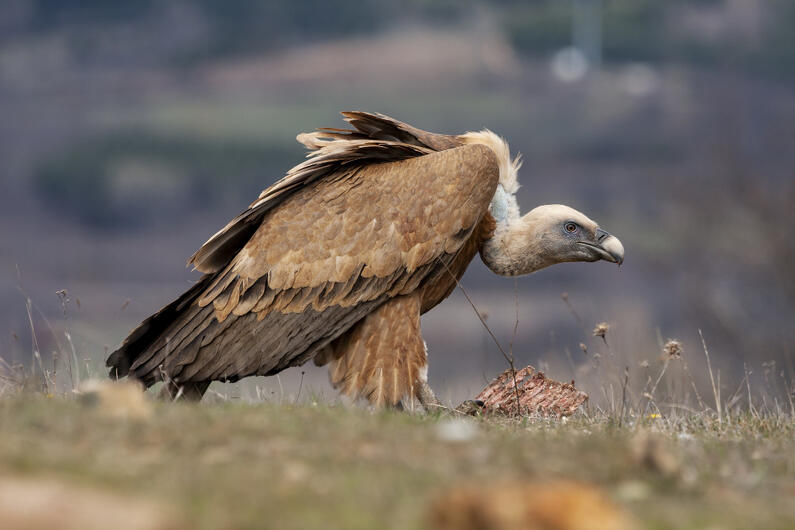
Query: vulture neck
point(517, 246)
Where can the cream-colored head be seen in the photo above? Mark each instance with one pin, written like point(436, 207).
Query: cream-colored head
point(547, 235)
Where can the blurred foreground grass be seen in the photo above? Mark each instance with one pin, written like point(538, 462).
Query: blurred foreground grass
point(316, 465)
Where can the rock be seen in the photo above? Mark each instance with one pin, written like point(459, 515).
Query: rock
point(27, 504)
point(116, 399)
point(650, 451)
point(456, 430)
point(527, 505)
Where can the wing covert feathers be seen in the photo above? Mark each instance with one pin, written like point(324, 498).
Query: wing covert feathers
point(370, 216)
point(376, 138)
point(376, 231)
point(383, 356)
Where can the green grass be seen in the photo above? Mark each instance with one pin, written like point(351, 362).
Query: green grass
point(265, 465)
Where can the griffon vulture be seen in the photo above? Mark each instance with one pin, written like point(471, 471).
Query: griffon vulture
point(337, 261)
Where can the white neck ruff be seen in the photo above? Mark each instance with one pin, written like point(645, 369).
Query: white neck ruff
point(503, 206)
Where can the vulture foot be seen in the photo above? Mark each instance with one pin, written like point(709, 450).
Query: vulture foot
point(470, 407)
point(427, 398)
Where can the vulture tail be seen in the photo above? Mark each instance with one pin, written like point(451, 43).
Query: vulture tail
point(146, 336)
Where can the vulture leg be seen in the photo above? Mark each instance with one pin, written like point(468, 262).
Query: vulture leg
point(382, 357)
point(190, 391)
point(426, 397)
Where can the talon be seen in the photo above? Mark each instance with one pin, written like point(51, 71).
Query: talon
point(471, 407)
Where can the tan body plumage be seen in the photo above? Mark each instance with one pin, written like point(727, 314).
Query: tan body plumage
point(336, 262)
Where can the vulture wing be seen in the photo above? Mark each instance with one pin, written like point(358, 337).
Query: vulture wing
point(316, 253)
point(377, 138)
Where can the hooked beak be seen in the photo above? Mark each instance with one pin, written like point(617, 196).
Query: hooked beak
point(607, 247)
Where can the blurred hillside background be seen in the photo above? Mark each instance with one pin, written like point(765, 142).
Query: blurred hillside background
point(131, 131)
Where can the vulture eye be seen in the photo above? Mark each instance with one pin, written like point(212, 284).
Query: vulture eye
point(570, 227)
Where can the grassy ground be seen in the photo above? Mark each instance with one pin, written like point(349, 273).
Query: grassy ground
point(235, 465)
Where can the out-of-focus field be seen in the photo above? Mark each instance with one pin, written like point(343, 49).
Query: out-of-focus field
point(321, 465)
point(132, 131)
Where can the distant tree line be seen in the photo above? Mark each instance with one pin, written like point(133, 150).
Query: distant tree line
point(129, 178)
point(632, 30)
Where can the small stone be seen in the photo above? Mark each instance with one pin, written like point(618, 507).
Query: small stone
point(649, 450)
point(51, 503)
point(456, 430)
point(116, 399)
point(536, 505)
point(633, 490)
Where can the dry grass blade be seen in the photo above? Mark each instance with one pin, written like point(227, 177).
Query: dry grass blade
point(715, 389)
point(508, 357)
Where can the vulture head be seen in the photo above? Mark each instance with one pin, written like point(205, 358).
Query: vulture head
point(545, 236)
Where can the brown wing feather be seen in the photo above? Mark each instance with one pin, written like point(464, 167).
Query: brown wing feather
point(183, 309)
point(377, 138)
point(380, 126)
point(353, 240)
point(327, 250)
